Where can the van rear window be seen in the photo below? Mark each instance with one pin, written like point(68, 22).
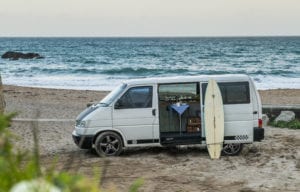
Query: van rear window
point(232, 93)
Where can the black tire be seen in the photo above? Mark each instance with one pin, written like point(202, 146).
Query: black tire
point(108, 144)
point(232, 149)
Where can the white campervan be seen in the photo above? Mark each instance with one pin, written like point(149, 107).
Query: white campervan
point(139, 113)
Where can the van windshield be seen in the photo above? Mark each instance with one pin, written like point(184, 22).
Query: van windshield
point(106, 101)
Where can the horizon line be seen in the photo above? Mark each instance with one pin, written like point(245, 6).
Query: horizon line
point(171, 36)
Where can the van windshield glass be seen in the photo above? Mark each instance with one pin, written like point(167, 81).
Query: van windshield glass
point(106, 101)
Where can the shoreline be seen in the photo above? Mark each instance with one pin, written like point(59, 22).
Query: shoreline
point(49, 103)
point(106, 89)
point(289, 96)
point(79, 89)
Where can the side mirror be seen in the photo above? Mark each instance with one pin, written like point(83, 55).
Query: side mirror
point(118, 104)
point(89, 104)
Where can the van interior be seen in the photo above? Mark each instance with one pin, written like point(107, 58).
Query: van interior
point(179, 113)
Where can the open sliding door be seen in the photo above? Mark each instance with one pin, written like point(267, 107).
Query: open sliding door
point(179, 113)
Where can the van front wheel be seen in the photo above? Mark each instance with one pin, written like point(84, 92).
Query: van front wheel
point(232, 149)
point(108, 144)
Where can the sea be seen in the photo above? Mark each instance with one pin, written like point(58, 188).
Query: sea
point(102, 63)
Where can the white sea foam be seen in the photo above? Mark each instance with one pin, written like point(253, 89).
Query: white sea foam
point(65, 82)
point(275, 82)
point(105, 83)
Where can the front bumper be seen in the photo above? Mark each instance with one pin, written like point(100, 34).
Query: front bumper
point(259, 134)
point(83, 141)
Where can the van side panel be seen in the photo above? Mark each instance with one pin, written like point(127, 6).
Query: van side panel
point(238, 123)
point(155, 111)
point(238, 110)
point(135, 117)
point(257, 107)
point(135, 124)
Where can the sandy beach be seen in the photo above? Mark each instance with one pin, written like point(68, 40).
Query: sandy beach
point(271, 165)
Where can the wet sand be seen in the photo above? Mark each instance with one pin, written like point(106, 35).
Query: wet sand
point(270, 165)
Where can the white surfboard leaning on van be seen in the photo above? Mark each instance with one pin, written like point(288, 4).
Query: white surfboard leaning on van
point(214, 119)
point(169, 111)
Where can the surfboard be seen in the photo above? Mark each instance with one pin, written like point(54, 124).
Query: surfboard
point(214, 119)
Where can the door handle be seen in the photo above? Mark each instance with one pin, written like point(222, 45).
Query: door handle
point(153, 112)
point(254, 112)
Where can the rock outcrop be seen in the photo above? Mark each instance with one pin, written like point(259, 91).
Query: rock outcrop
point(18, 55)
point(286, 116)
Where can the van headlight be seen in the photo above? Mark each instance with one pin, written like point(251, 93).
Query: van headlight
point(81, 124)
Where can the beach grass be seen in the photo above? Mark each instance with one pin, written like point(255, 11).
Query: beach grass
point(294, 124)
point(22, 170)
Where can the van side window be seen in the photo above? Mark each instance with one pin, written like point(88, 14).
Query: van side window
point(232, 93)
point(175, 92)
point(237, 93)
point(136, 97)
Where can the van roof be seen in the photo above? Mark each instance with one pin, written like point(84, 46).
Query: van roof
point(182, 79)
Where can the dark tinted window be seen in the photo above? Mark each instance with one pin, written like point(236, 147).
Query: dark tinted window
point(232, 93)
point(136, 97)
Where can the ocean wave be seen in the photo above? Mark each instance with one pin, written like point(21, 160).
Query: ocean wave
point(296, 52)
point(90, 62)
point(50, 71)
point(142, 71)
point(156, 55)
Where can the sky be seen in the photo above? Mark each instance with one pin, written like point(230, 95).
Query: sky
point(149, 18)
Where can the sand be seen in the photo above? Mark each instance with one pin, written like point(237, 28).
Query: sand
point(280, 97)
point(270, 165)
